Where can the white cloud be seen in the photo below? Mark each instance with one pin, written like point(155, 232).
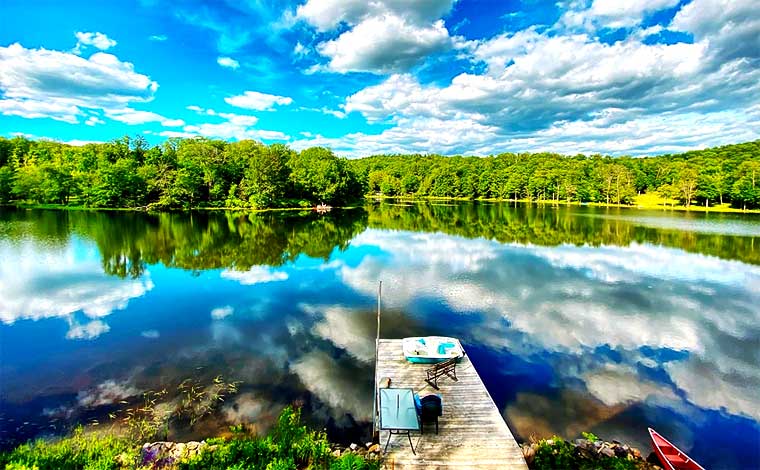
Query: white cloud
point(133, 116)
point(384, 36)
point(327, 14)
point(150, 334)
point(614, 14)
point(98, 40)
point(79, 142)
point(220, 313)
point(30, 108)
point(384, 44)
point(94, 120)
point(623, 97)
point(158, 37)
point(255, 275)
point(38, 83)
point(231, 126)
point(178, 134)
point(300, 50)
point(257, 101)
point(228, 62)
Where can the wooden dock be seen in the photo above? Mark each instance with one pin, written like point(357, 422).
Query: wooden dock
point(472, 432)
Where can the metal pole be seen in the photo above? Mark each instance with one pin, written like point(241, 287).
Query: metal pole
point(375, 432)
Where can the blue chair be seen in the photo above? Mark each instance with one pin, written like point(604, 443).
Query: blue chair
point(429, 408)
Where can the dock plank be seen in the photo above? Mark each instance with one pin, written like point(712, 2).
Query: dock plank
point(472, 432)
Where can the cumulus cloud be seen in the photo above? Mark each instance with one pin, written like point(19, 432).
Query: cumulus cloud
point(327, 14)
point(527, 92)
point(93, 121)
point(133, 116)
point(39, 83)
point(97, 40)
point(228, 62)
point(255, 275)
point(257, 101)
point(612, 14)
point(384, 36)
point(384, 44)
point(228, 126)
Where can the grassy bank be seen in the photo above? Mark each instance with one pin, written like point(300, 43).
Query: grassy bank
point(643, 201)
point(288, 446)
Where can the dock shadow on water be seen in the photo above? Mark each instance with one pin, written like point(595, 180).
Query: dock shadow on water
point(577, 319)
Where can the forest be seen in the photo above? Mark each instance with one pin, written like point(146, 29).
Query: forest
point(205, 173)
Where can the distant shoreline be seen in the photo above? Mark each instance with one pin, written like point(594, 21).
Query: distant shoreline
point(547, 202)
point(723, 209)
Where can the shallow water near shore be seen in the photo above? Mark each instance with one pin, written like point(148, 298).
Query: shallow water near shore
point(577, 318)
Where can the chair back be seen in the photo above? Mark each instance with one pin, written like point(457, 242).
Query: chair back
point(431, 406)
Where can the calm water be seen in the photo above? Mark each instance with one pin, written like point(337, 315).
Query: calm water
point(578, 319)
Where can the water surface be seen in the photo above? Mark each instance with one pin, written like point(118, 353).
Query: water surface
point(578, 319)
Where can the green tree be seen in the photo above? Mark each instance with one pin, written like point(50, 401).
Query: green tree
point(320, 176)
point(266, 179)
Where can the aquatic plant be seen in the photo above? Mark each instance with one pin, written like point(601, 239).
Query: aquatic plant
point(153, 417)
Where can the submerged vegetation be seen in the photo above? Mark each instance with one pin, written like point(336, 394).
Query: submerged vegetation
point(203, 173)
point(289, 445)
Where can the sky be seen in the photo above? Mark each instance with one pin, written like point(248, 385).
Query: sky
point(455, 77)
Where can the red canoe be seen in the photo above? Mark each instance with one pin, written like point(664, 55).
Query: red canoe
point(671, 456)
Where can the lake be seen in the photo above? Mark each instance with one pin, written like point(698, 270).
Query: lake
point(577, 318)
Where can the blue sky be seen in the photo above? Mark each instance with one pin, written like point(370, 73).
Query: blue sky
point(388, 76)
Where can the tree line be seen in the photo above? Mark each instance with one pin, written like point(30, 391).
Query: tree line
point(194, 173)
point(129, 242)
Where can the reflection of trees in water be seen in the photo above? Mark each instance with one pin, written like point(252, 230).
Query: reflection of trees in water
point(549, 226)
point(129, 241)
point(196, 241)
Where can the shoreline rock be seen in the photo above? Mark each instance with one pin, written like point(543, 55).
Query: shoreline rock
point(587, 450)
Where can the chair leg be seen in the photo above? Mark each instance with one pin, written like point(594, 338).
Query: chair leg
point(409, 435)
point(387, 442)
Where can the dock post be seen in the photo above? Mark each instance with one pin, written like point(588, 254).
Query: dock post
point(375, 424)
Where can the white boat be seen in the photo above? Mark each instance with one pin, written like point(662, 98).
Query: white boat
point(432, 349)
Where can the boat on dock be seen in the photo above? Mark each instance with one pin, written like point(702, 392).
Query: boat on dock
point(672, 457)
point(431, 349)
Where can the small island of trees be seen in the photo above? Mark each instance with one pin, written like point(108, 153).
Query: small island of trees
point(205, 173)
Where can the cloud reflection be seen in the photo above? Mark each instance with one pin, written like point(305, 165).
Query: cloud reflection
point(38, 282)
point(570, 300)
point(255, 275)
